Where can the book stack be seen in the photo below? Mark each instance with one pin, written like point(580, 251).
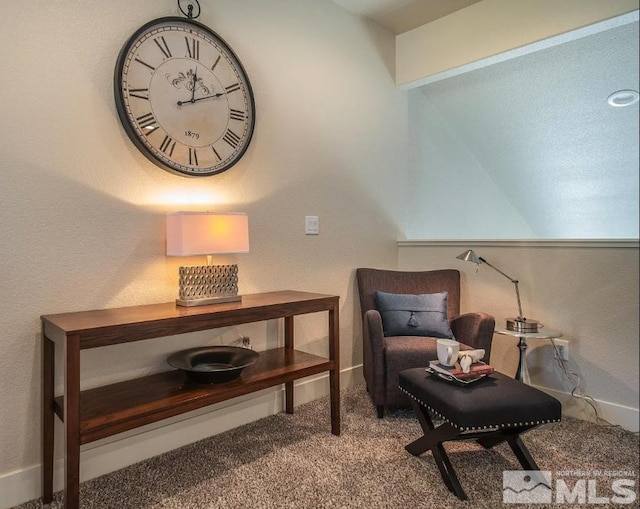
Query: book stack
point(476, 370)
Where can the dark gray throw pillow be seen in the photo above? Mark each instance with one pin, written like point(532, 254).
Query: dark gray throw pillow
point(414, 315)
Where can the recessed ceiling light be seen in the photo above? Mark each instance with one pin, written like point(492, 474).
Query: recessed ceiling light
point(623, 98)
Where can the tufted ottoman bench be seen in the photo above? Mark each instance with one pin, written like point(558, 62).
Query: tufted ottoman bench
point(491, 411)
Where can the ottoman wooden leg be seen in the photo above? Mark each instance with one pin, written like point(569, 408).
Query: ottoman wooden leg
point(522, 453)
point(432, 440)
point(512, 437)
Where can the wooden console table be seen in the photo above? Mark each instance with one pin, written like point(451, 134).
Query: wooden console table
point(104, 411)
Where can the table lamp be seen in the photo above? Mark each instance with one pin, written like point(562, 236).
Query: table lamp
point(207, 233)
point(520, 324)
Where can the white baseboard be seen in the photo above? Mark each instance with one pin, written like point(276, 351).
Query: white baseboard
point(624, 416)
point(108, 455)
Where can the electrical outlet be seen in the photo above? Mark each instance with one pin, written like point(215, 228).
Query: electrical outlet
point(563, 348)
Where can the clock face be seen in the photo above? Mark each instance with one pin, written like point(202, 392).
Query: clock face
point(184, 98)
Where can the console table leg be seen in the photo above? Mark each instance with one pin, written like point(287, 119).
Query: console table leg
point(288, 344)
point(334, 374)
point(48, 417)
point(72, 423)
point(288, 395)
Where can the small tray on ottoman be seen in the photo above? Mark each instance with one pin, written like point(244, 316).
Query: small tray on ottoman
point(478, 371)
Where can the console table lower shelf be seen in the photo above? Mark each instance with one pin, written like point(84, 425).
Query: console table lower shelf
point(112, 409)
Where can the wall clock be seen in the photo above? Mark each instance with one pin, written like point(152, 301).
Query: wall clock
point(183, 97)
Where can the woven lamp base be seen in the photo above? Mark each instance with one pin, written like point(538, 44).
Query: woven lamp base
point(208, 284)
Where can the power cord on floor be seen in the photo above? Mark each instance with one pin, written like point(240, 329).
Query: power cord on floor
point(576, 392)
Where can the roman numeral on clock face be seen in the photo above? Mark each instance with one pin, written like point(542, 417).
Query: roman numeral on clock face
point(193, 48)
point(236, 114)
point(162, 44)
point(232, 88)
point(231, 138)
point(193, 157)
point(148, 123)
point(150, 67)
point(140, 93)
point(167, 145)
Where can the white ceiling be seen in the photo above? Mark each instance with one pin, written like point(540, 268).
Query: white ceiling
point(540, 126)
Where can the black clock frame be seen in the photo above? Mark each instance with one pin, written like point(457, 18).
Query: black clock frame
point(120, 100)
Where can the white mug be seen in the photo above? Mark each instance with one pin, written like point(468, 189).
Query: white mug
point(447, 350)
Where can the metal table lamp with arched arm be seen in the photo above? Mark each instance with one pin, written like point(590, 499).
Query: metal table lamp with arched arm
point(519, 324)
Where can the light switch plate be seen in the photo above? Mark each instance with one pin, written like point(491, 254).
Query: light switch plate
point(311, 225)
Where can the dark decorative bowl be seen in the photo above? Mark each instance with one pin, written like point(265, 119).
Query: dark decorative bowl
point(213, 364)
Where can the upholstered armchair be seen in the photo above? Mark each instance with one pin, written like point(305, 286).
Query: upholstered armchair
point(386, 355)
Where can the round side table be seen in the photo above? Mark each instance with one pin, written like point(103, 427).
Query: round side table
point(522, 373)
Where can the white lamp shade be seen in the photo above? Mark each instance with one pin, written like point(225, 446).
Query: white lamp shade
point(205, 233)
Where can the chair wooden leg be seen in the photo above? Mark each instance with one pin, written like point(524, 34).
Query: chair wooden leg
point(380, 411)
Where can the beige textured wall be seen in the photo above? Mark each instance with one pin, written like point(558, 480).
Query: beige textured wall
point(82, 211)
point(588, 293)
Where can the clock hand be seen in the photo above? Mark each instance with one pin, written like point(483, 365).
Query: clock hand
point(213, 96)
point(193, 85)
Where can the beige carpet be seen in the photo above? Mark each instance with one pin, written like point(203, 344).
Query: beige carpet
point(286, 461)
